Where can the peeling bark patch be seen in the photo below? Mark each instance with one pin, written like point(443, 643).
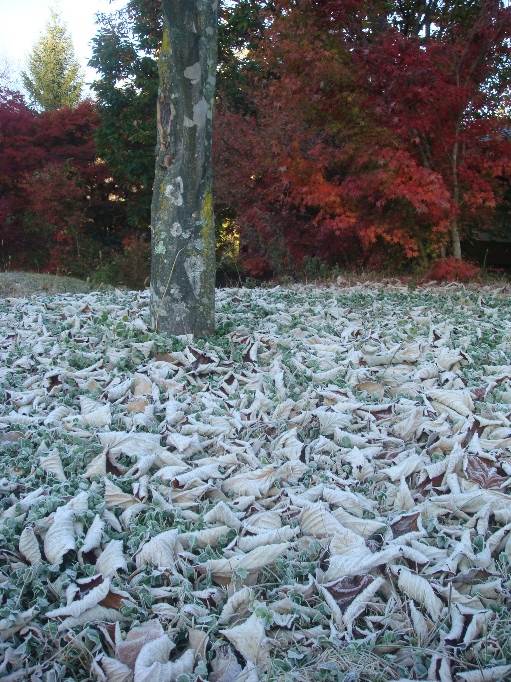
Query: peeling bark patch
point(180, 311)
point(194, 267)
point(193, 73)
point(200, 112)
point(174, 192)
point(175, 293)
point(176, 230)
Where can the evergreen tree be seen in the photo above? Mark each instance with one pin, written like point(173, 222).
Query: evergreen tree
point(53, 79)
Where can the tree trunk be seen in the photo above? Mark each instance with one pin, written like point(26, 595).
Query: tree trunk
point(455, 230)
point(182, 221)
point(455, 239)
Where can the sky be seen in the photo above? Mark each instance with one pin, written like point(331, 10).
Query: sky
point(23, 21)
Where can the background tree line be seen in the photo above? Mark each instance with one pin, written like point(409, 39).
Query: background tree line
point(349, 132)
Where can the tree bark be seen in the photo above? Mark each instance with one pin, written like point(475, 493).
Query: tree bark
point(455, 231)
point(455, 239)
point(182, 221)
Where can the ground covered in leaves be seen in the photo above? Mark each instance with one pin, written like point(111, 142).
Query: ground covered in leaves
point(319, 492)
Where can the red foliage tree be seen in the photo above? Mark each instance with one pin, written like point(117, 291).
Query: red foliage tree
point(17, 158)
point(54, 218)
point(282, 194)
point(56, 209)
point(443, 99)
point(365, 138)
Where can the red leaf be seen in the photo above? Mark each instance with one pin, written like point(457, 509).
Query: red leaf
point(346, 589)
point(406, 524)
point(479, 472)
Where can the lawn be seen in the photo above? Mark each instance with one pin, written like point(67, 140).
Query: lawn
point(318, 492)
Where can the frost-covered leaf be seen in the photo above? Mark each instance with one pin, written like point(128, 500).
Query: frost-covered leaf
point(115, 497)
point(96, 467)
point(236, 605)
point(153, 665)
point(60, 538)
point(94, 534)
point(459, 402)
point(114, 670)
point(91, 599)
point(29, 546)
point(159, 551)
point(127, 650)
point(418, 588)
point(111, 559)
point(225, 666)
point(346, 589)
point(94, 413)
point(52, 464)
point(480, 472)
point(249, 639)
point(491, 674)
point(253, 561)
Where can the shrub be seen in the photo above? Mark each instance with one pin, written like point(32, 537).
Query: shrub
point(135, 262)
point(453, 270)
point(129, 267)
point(257, 267)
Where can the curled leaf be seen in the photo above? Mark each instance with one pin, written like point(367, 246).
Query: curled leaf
point(249, 639)
point(29, 546)
point(418, 588)
point(252, 562)
point(93, 538)
point(60, 538)
point(153, 665)
point(114, 670)
point(236, 605)
point(52, 464)
point(159, 551)
point(91, 599)
point(111, 559)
